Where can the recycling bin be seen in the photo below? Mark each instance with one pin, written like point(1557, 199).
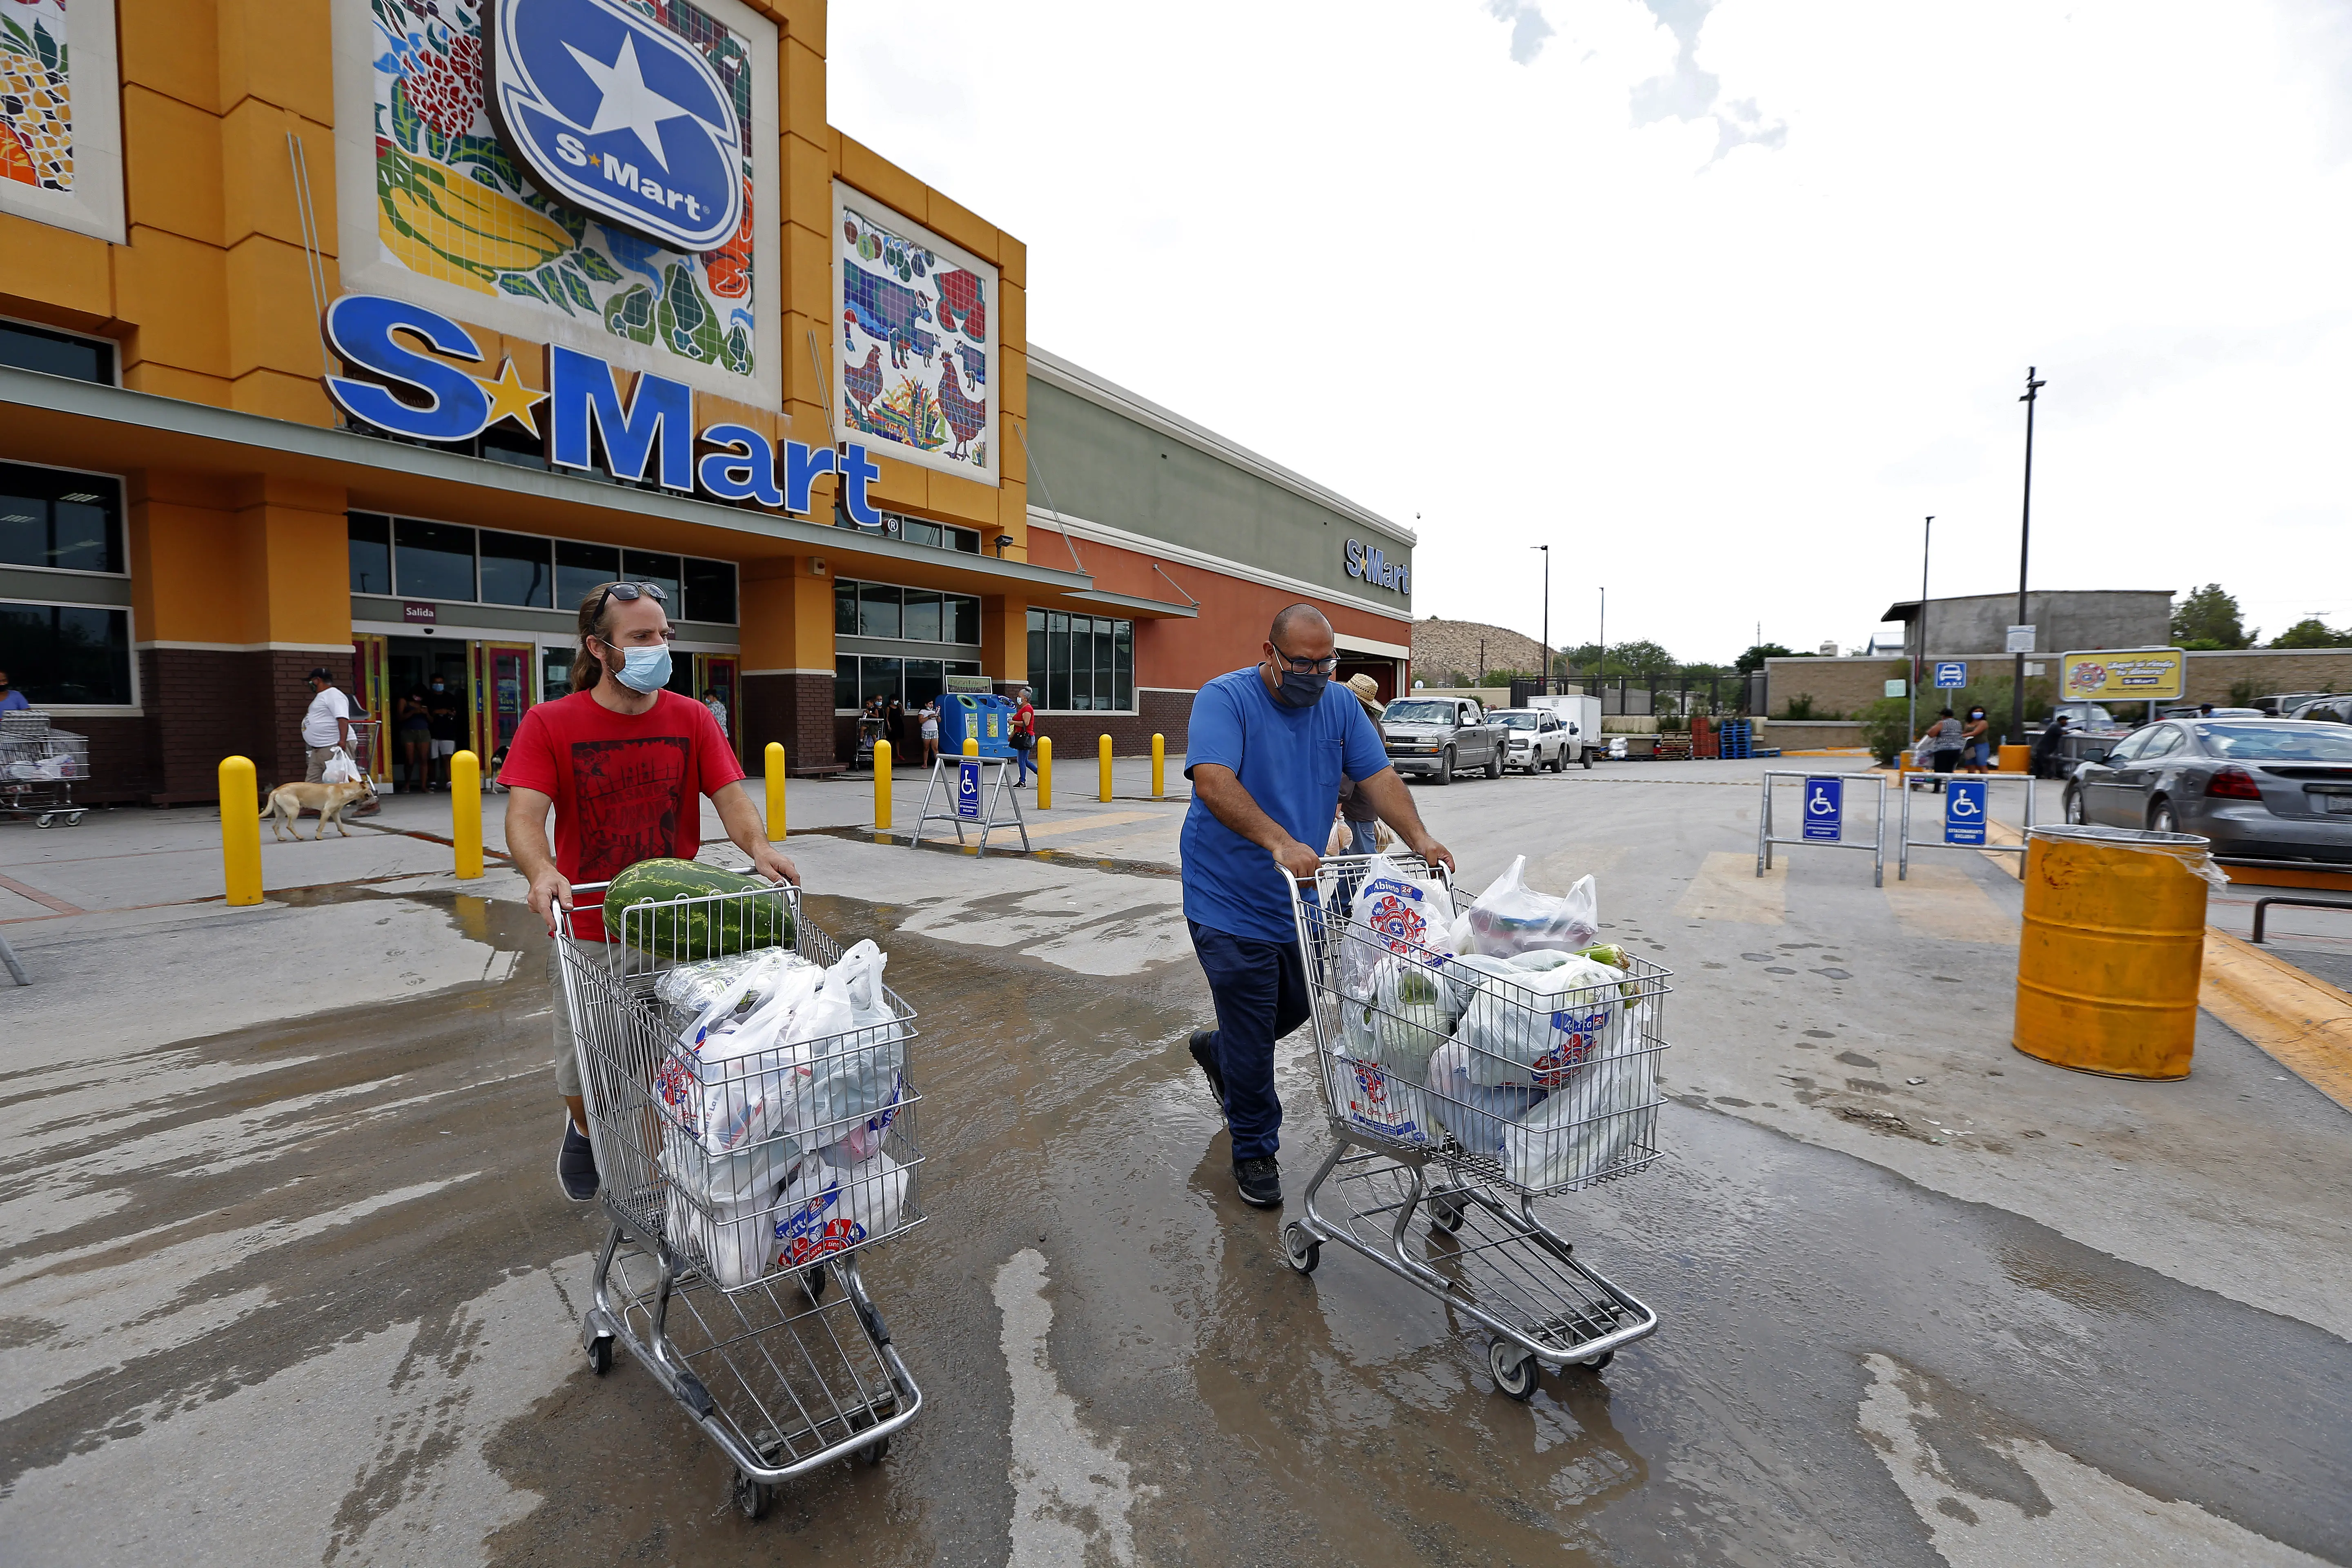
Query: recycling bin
point(978, 714)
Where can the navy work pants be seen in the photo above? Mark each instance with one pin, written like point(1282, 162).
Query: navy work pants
point(1260, 989)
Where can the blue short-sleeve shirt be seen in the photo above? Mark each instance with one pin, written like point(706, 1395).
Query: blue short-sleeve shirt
point(1290, 760)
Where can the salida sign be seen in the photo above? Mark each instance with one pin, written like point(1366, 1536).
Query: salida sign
point(650, 432)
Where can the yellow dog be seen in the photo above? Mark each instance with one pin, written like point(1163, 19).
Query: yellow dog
point(288, 801)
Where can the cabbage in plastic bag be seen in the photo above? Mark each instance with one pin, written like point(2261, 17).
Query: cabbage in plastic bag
point(1539, 1027)
point(1510, 917)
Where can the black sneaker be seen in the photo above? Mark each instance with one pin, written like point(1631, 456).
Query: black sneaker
point(575, 1164)
point(1205, 1053)
point(1260, 1182)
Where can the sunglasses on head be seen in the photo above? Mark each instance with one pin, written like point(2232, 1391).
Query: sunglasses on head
point(628, 593)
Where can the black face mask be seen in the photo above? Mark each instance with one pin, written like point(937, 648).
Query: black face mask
point(1301, 689)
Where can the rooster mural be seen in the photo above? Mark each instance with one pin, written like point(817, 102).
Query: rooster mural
point(863, 382)
point(964, 416)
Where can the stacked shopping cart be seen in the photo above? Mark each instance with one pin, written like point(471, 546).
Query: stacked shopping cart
point(39, 766)
point(1464, 1092)
point(740, 1189)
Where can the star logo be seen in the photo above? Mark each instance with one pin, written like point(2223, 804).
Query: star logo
point(510, 398)
point(628, 104)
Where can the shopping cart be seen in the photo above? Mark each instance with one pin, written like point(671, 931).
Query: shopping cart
point(715, 1268)
point(39, 766)
point(1467, 1095)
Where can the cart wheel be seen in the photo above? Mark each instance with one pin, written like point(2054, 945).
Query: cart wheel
point(1301, 1250)
point(812, 1284)
point(1597, 1361)
point(74, 820)
point(600, 1354)
point(1444, 1216)
point(45, 819)
point(1513, 1369)
point(875, 1453)
point(752, 1497)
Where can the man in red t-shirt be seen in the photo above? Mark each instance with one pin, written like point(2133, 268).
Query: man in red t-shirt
point(625, 763)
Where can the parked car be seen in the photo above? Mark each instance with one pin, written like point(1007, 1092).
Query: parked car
point(2261, 789)
point(1442, 735)
point(2206, 710)
point(2337, 709)
point(1582, 714)
point(1535, 740)
point(2285, 702)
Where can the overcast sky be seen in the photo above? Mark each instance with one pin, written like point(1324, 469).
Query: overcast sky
point(1718, 298)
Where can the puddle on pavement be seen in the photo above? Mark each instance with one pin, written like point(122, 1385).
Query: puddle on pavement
point(1340, 1417)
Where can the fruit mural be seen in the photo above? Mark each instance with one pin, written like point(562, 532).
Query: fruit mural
point(455, 207)
point(35, 95)
point(914, 354)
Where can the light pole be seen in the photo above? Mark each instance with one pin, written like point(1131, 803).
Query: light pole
point(1547, 618)
point(1919, 655)
point(1600, 656)
point(2024, 539)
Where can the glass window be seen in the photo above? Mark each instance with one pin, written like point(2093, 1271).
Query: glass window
point(877, 678)
point(555, 673)
point(66, 653)
point(1106, 677)
point(432, 560)
point(923, 682)
point(965, 538)
point(1037, 650)
point(371, 552)
point(1123, 634)
point(963, 667)
point(51, 517)
point(1057, 659)
point(516, 569)
point(878, 613)
point(661, 571)
point(922, 619)
point(582, 569)
point(2163, 743)
point(2129, 747)
point(963, 618)
point(1082, 663)
point(844, 680)
point(2296, 740)
point(711, 591)
point(56, 354)
point(844, 608)
point(914, 530)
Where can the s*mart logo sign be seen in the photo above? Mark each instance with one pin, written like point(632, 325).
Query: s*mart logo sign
point(585, 420)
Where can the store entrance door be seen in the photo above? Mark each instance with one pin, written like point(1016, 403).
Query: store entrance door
point(503, 693)
point(716, 673)
point(410, 665)
point(371, 687)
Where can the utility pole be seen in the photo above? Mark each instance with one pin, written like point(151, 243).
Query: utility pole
point(2016, 736)
point(1919, 655)
point(1600, 656)
point(1546, 620)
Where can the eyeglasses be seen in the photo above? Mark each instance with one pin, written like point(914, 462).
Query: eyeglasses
point(1309, 666)
point(628, 593)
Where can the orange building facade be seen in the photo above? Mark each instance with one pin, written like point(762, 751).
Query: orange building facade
point(233, 233)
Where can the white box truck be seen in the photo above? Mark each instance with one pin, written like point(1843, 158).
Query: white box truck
point(1583, 716)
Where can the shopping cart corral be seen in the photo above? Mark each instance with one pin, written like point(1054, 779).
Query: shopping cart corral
point(1521, 1094)
point(740, 1192)
point(39, 766)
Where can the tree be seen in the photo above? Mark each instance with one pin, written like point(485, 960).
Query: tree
point(2312, 632)
point(1751, 661)
point(2209, 618)
point(1635, 657)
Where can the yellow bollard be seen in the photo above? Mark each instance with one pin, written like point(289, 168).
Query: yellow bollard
point(240, 832)
point(971, 745)
point(1044, 773)
point(775, 792)
point(1159, 766)
point(466, 813)
point(1103, 751)
point(882, 786)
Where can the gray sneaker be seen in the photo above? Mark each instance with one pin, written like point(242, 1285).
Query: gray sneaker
point(1260, 1182)
point(575, 1164)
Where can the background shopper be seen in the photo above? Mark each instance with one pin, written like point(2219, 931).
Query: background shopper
point(326, 724)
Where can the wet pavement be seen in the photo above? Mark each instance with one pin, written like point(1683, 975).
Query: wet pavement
point(284, 1291)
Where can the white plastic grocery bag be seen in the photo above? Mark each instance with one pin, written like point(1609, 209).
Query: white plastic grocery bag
point(735, 1082)
point(831, 1209)
point(1393, 911)
point(853, 1044)
point(1402, 1018)
point(1582, 1131)
point(1510, 917)
point(731, 1239)
point(1538, 1028)
point(340, 769)
point(1476, 1114)
point(1380, 1101)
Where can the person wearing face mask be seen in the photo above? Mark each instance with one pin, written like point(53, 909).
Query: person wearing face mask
point(1267, 748)
point(1976, 747)
point(443, 719)
point(10, 698)
point(625, 763)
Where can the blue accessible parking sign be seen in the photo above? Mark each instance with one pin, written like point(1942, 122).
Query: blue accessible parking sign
point(1964, 812)
point(967, 787)
point(1824, 808)
point(1951, 676)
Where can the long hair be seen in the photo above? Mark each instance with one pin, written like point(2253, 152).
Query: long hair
point(587, 669)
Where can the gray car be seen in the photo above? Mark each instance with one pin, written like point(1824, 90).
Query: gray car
point(2266, 789)
point(1440, 736)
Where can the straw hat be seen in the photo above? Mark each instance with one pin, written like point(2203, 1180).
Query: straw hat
point(1368, 692)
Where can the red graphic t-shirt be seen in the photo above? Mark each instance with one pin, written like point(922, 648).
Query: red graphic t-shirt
point(627, 787)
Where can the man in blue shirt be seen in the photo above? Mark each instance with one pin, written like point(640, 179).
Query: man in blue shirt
point(1266, 753)
point(10, 698)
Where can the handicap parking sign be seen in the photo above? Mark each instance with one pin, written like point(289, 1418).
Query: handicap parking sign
point(1824, 808)
point(1951, 676)
point(1964, 811)
point(967, 787)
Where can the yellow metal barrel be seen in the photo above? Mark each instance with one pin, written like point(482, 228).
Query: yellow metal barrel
point(2112, 950)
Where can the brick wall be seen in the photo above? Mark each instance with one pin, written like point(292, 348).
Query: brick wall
point(1076, 735)
point(797, 710)
point(1441, 646)
point(2210, 675)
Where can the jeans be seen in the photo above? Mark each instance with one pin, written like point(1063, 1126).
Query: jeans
point(1363, 837)
point(1260, 988)
point(1021, 757)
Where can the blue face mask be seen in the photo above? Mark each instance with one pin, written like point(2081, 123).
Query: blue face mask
point(1302, 689)
point(643, 668)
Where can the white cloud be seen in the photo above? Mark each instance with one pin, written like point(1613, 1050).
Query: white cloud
point(1528, 28)
point(1723, 361)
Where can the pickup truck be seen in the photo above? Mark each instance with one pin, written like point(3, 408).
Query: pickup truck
point(1442, 735)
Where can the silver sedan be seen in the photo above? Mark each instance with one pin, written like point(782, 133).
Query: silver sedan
point(2269, 789)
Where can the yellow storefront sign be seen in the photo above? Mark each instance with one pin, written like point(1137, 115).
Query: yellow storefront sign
point(2132, 674)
